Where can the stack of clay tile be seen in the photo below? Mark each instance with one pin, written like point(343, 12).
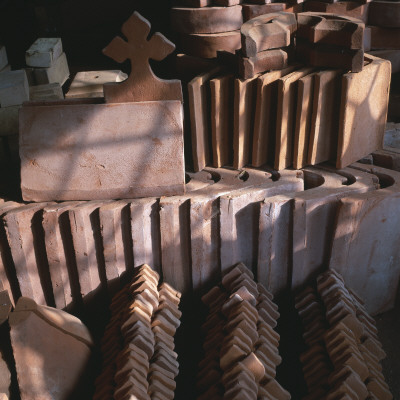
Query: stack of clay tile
point(139, 361)
point(329, 40)
point(343, 355)
point(240, 346)
point(203, 30)
point(266, 43)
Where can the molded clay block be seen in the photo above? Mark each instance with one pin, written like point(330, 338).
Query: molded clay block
point(385, 38)
point(61, 264)
point(243, 120)
point(324, 123)
point(188, 67)
point(345, 8)
point(51, 91)
point(14, 89)
point(175, 239)
point(3, 57)
point(363, 108)
point(333, 29)
point(274, 243)
point(199, 105)
point(384, 13)
point(286, 117)
point(206, 45)
point(85, 230)
point(294, 8)
point(90, 83)
point(365, 252)
point(58, 72)
point(313, 218)
point(43, 52)
point(254, 10)
point(239, 219)
point(265, 121)
point(266, 32)
point(305, 97)
point(221, 120)
point(192, 3)
point(26, 242)
point(320, 55)
point(9, 120)
point(264, 61)
point(145, 141)
point(114, 217)
point(226, 3)
point(50, 362)
point(146, 241)
point(391, 55)
point(207, 19)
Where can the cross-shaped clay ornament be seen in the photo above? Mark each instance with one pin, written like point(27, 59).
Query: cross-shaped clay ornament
point(142, 84)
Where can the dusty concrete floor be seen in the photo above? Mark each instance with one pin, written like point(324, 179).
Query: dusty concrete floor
point(389, 334)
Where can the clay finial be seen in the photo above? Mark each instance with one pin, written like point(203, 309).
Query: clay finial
point(142, 84)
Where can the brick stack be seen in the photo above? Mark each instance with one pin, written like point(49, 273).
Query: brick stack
point(204, 30)
point(240, 346)
point(343, 350)
point(137, 347)
point(267, 42)
point(330, 41)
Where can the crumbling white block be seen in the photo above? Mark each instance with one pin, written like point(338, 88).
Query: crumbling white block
point(3, 57)
point(51, 91)
point(44, 52)
point(90, 83)
point(58, 72)
point(14, 89)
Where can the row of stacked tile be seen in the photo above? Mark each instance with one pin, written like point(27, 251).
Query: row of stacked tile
point(343, 352)
point(138, 345)
point(297, 116)
point(61, 254)
point(240, 345)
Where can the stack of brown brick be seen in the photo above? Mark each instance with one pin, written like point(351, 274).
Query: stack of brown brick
point(241, 346)
point(343, 350)
point(329, 40)
point(137, 347)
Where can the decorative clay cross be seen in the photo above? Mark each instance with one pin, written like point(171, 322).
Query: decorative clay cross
point(142, 84)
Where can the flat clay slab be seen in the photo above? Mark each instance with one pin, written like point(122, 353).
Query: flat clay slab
point(101, 151)
point(363, 111)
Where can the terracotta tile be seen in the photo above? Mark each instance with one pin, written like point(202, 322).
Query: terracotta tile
point(267, 32)
point(243, 120)
point(264, 123)
point(276, 390)
point(221, 119)
point(323, 139)
point(207, 45)
point(287, 96)
point(206, 20)
point(263, 61)
point(354, 115)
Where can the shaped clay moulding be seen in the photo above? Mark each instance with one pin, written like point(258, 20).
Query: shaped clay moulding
point(142, 84)
point(270, 31)
point(365, 242)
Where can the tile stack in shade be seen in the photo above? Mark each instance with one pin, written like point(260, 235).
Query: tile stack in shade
point(204, 30)
point(137, 347)
point(343, 350)
point(240, 346)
